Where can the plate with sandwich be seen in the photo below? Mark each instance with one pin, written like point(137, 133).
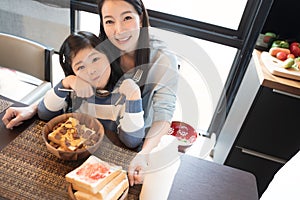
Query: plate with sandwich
point(97, 179)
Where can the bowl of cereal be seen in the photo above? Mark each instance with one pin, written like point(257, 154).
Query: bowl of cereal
point(73, 136)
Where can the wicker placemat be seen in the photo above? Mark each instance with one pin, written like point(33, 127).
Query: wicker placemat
point(119, 156)
point(114, 154)
point(29, 171)
point(4, 104)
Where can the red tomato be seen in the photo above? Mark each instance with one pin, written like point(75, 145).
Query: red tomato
point(281, 55)
point(290, 55)
point(295, 49)
point(297, 44)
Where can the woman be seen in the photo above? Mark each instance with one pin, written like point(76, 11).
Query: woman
point(124, 24)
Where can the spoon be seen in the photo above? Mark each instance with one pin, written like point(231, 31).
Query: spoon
point(99, 92)
point(136, 78)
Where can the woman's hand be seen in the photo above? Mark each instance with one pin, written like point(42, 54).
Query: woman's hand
point(14, 116)
point(130, 89)
point(137, 168)
point(140, 163)
point(82, 88)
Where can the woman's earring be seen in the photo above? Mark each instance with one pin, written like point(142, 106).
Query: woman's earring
point(63, 58)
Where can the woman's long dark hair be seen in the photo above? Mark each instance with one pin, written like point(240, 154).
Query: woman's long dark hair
point(142, 53)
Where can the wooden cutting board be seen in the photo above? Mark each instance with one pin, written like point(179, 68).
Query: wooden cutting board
point(274, 66)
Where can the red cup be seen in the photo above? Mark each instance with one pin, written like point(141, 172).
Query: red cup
point(184, 132)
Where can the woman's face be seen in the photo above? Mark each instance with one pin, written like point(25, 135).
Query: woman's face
point(121, 24)
point(92, 66)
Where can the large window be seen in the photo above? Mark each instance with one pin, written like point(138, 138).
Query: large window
point(227, 13)
point(204, 90)
point(224, 39)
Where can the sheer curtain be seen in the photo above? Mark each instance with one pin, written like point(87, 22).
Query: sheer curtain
point(44, 21)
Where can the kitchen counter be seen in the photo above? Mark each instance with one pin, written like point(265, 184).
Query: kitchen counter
point(276, 82)
point(260, 133)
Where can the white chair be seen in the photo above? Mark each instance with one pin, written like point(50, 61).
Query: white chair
point(32, 62)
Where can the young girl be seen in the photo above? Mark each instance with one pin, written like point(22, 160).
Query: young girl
point(88, 74)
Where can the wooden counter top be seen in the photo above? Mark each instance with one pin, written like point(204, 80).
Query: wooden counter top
point(275, 82)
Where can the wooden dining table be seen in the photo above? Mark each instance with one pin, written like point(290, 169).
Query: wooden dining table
point(29, 171)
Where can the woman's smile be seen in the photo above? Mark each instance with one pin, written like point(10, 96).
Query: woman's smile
point(123, 39)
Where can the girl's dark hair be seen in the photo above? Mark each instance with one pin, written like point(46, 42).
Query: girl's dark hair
point(72, 45)
point(78, 41)
point(142, 52)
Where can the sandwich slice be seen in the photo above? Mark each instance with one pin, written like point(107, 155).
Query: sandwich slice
point(112, 191)
point(93, 175)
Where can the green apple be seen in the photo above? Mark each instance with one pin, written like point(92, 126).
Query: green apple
point(273, 35)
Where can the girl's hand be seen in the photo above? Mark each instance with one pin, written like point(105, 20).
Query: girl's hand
point(82, 88)
point(130, 89)
point(14, 116)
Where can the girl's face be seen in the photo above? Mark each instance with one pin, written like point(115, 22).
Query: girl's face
point(121, 24)
point(92, 66)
